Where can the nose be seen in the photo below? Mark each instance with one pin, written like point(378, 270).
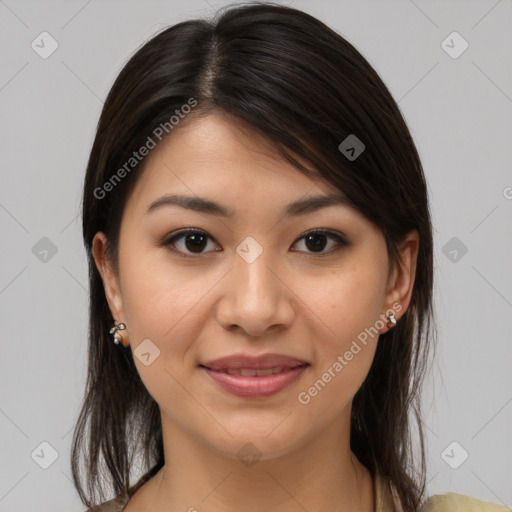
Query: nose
point(255, 299)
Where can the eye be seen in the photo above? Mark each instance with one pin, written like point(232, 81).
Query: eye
point(195, 241)
point(317, 239)
point(192, 240)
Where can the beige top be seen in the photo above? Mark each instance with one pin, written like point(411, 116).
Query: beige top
point(386, 500)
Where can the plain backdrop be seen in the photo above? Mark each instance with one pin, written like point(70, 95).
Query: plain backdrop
point(458, 107)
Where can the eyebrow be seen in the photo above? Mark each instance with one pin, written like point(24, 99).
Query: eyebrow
point(301, 206)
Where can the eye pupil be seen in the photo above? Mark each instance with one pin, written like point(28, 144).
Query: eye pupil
point(197, 240)
point(313, 243)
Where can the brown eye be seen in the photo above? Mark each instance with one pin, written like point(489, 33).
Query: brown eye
point(316, 241)
point(189, 241)
point(195, 242)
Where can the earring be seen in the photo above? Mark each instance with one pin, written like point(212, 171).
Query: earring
point(391, 321)
point(117, 337)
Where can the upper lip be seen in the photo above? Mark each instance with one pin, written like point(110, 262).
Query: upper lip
point(262, 362)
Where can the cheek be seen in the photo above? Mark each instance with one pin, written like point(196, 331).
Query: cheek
point(165, 308)
point(162, 304)
point(347, 302)
point(343, 357)
point(347, 306)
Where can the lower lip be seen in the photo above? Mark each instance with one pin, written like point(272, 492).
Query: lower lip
point(256, 387)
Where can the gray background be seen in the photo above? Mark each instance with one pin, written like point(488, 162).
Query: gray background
point(458, 110)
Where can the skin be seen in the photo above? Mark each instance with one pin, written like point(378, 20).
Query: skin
point(290, 300)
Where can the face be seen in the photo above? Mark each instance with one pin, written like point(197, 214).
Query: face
point(197, 284)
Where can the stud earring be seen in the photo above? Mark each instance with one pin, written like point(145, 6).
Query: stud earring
point(117, 337)
point(391, 321)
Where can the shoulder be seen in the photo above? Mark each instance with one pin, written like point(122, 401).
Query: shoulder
point(452, 502)
point(114, 505)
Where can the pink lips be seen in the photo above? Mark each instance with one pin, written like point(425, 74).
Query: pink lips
point(255, 377)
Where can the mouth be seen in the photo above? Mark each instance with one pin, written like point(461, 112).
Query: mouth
point(251, 372)
point(246, 362)
point(255, 377)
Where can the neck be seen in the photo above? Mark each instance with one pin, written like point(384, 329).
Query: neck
point(323, 474)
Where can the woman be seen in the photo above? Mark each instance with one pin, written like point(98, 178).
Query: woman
point(260, 253)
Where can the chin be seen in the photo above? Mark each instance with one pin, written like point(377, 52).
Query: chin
point(250, 443)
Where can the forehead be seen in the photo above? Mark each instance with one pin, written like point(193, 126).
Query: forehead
point(217, 155)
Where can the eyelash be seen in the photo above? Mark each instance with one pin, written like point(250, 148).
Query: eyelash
point(170, 241)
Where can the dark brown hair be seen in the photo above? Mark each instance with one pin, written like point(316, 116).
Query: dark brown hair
point(305, 89)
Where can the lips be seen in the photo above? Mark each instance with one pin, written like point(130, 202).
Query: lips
point(251, 372)
point(255, 377)
point(250, 366)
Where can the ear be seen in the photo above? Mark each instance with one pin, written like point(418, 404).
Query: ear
point(109, 278)
point(401, 281)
